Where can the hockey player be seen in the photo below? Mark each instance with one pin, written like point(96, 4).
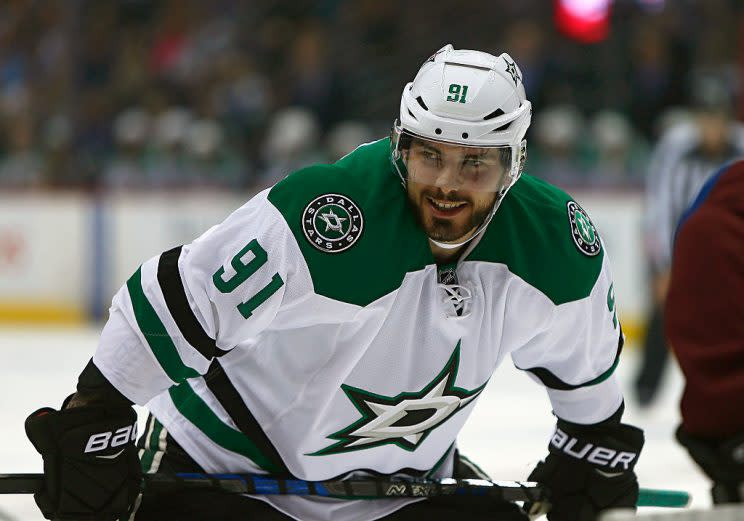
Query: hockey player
point(705, 325)
point(344, 322)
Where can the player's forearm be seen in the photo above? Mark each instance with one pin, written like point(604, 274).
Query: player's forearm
point(587, 405)
point(93, 388)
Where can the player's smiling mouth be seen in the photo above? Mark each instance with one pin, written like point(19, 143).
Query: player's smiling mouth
point(446, 208)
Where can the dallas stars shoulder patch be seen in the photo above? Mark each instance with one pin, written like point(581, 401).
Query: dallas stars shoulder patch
point(332, 223)
point(583, 232)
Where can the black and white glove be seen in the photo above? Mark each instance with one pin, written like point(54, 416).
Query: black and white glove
point(590, 469)
point(722, 461)
point(91, 468)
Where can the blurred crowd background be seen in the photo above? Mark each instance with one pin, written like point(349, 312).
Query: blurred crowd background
point(133, 94)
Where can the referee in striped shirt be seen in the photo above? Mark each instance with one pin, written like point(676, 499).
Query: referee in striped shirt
point(682, 161)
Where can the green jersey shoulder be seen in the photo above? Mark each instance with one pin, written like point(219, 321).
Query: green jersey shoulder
point(545, 238)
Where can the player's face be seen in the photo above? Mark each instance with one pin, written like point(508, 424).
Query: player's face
point(713, 127)
point(451, 187)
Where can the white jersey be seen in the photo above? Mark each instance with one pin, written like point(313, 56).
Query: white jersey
point(312, 333)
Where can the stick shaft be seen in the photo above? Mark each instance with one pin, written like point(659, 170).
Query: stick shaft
point(20, 483)
point(263, 485)
point(355, 488)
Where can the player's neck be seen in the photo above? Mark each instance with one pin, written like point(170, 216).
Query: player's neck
point(450, 255)
point(445, 255)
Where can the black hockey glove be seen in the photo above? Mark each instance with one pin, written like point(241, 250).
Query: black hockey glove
point(590, 469)
point(91, 468)
point(722, 461)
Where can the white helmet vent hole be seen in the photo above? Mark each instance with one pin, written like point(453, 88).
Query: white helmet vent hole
point(464, 135)
point(437, 131)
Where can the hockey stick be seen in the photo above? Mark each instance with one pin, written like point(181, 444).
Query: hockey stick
point(352, 488)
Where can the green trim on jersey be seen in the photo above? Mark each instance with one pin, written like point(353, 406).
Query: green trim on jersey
point(551, 381)
point(604, 376)
point(191, 406)
point(531, 234)
point(154, 331)
point(391, 243)
point(151, 446)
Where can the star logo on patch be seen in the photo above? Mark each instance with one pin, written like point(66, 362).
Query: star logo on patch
point(406, 419)
point(333, 221)
point(511, 68)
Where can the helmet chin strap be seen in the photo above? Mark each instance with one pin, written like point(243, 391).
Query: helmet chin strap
point(478, 231)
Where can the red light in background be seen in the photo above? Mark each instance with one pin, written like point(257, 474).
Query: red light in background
point(587, 21)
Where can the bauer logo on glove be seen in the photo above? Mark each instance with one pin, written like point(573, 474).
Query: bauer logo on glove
point(104, 440)
point(595, 454)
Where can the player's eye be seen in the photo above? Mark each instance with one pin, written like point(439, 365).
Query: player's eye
point(474, 162)
point(429, 156)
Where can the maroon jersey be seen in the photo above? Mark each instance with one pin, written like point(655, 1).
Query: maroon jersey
point(705, 306)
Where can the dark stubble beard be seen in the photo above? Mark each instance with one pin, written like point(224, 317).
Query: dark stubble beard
point(445, 230)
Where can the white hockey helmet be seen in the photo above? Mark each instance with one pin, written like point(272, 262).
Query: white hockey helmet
point(466, 98)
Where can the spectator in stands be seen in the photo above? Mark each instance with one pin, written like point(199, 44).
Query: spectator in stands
point(345, 137)
point(705, 327)
point(126, 168)
point(291, 143)
point(60, 168)
point(657, 55)
point(558, 133)
point(618, 154)
point(21, 166)
point(209, 162)
point(165, 161)
point(312, 80)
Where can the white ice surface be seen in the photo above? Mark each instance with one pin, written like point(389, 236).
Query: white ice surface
point(507, 433)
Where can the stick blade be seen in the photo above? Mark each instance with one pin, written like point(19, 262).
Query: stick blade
point(653, 497)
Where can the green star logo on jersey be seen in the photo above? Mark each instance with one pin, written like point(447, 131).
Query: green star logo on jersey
point(406, 419)
point(584, 234)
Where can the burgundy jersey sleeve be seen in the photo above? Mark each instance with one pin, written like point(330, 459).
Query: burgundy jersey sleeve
point(705, 307)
